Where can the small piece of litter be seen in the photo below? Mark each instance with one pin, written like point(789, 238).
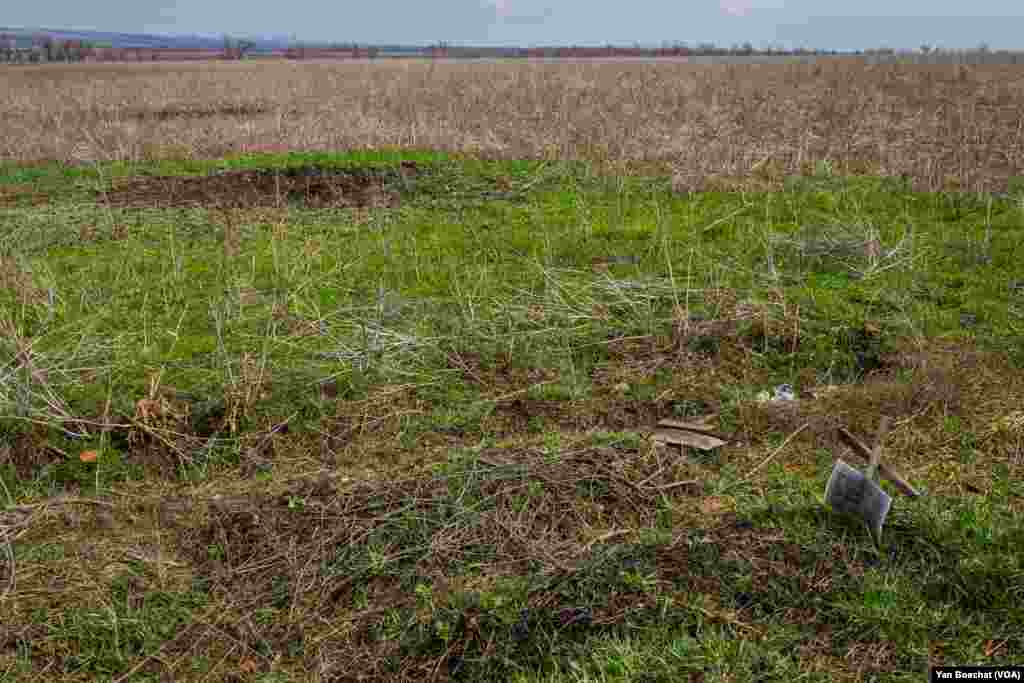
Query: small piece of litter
point(783, 392)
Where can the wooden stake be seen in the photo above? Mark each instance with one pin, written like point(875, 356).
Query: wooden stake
point(883, 470)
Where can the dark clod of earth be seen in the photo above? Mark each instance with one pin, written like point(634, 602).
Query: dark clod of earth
point(308, 186)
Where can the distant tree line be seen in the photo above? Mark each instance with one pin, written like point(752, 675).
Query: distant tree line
point(328, 51)
point(669, 49)
point(237, 48)
point(43, 48)
point(926, 54)
point(929, 54)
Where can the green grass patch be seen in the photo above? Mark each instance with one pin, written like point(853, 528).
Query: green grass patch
point(424, 408)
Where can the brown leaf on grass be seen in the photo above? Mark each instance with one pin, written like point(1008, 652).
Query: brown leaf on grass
point(89, 456)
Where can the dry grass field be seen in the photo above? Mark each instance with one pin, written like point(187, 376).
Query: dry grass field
point(946, 127)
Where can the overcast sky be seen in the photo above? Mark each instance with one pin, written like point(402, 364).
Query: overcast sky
point(841, 24)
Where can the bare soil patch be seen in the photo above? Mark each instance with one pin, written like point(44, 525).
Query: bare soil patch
point(309, 186)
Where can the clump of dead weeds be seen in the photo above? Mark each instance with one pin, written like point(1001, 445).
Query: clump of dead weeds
point(955, 410)
point(382, 566)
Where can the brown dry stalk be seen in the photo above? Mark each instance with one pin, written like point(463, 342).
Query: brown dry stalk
point(232, 237)
point(771, 456)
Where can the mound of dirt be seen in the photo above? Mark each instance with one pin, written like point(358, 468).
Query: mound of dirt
point(308, 186)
